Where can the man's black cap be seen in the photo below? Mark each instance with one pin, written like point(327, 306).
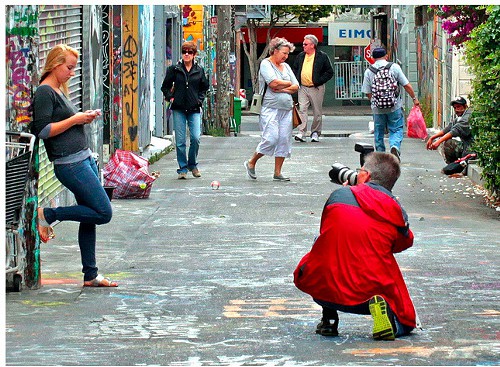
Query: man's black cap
point(378, 52)
point(459, 100)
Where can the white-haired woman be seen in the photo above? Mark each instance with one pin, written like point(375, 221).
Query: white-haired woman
point(277, 82)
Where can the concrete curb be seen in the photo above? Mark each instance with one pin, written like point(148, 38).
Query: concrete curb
point(157, 145)
point(475, 172)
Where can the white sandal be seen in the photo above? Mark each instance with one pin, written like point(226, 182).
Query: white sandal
point(100, 281)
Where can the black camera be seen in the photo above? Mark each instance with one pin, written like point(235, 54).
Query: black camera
point(341, 173)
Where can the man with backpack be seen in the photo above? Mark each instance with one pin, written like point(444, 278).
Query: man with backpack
point(382, 82)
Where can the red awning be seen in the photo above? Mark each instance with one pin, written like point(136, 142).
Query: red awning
point(292, 34)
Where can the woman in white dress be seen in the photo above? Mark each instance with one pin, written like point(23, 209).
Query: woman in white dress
point(277, 84)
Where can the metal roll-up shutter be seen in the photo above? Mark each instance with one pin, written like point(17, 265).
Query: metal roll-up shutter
point(59, 24)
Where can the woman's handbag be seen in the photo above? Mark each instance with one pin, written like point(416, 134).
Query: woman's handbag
point(295, 116)
point(170, 93)
point(256, 105)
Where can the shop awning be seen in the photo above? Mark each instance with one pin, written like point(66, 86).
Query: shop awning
point(292, 34)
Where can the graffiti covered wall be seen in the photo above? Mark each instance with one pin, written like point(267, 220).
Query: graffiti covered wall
point(130, 81)
point(116, 135)
point(192, 24)
point(22, 41)
point(22, 64)
point(114, 75)
point(93, 71)
point(106, 77)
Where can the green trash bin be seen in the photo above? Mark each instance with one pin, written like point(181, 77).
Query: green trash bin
point(237, 114)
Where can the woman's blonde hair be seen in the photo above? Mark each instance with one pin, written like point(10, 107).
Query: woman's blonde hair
point(56, 57)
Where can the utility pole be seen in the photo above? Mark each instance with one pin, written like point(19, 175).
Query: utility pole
point(237, 83)
point(223, 78)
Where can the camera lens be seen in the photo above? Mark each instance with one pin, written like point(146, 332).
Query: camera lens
point(341, 173)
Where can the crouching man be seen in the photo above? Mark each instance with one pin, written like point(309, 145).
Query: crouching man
point(456, 139)
point(351, 266)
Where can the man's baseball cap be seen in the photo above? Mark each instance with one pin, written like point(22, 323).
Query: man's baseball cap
point(378, 52)
point(459, 100)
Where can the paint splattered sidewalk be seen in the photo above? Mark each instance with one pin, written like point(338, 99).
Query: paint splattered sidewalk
point(206, 275)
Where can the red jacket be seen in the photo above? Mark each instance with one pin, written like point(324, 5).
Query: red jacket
point(352, 259)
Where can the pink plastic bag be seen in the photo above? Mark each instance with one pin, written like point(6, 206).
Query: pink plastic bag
point(416, 124)
point(128, 173)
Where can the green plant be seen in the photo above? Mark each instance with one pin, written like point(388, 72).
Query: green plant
point(426, 107)
point(157, 156)
point(216, 131)
point(483, 56)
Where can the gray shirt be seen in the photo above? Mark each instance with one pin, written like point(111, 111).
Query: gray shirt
point(459, 127)
point(268, 72)
point(48, 107)
point(397, 73)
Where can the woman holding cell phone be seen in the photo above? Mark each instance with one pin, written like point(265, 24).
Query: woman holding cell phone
point(57, 121)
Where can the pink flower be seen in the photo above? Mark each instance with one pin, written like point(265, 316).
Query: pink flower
point(459, 20)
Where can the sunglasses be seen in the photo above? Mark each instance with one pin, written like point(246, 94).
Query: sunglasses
point(189, 52)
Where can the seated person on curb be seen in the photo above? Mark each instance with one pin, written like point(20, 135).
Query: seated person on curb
point(351, 266)
point(456, 138)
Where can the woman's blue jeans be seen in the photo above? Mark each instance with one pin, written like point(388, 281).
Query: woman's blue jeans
point(93, 207)
point(394, 122)
point(182, 121)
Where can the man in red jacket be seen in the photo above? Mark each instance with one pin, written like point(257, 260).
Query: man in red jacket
point(351, 266)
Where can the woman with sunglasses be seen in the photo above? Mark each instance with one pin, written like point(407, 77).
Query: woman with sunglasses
point(277, 83)
point(185, 86)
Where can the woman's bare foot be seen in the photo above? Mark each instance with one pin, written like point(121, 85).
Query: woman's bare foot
point(45, 231)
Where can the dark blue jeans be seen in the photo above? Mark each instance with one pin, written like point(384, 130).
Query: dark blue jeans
point(394, 121)
point(93, 207)
point(183, 121)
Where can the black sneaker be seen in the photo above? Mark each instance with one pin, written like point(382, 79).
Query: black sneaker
point(384, 326)
point(300, 137)
point(395, 152)
point(326, 329)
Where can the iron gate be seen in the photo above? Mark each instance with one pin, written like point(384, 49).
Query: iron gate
point(58, 24)
point(349, 79)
